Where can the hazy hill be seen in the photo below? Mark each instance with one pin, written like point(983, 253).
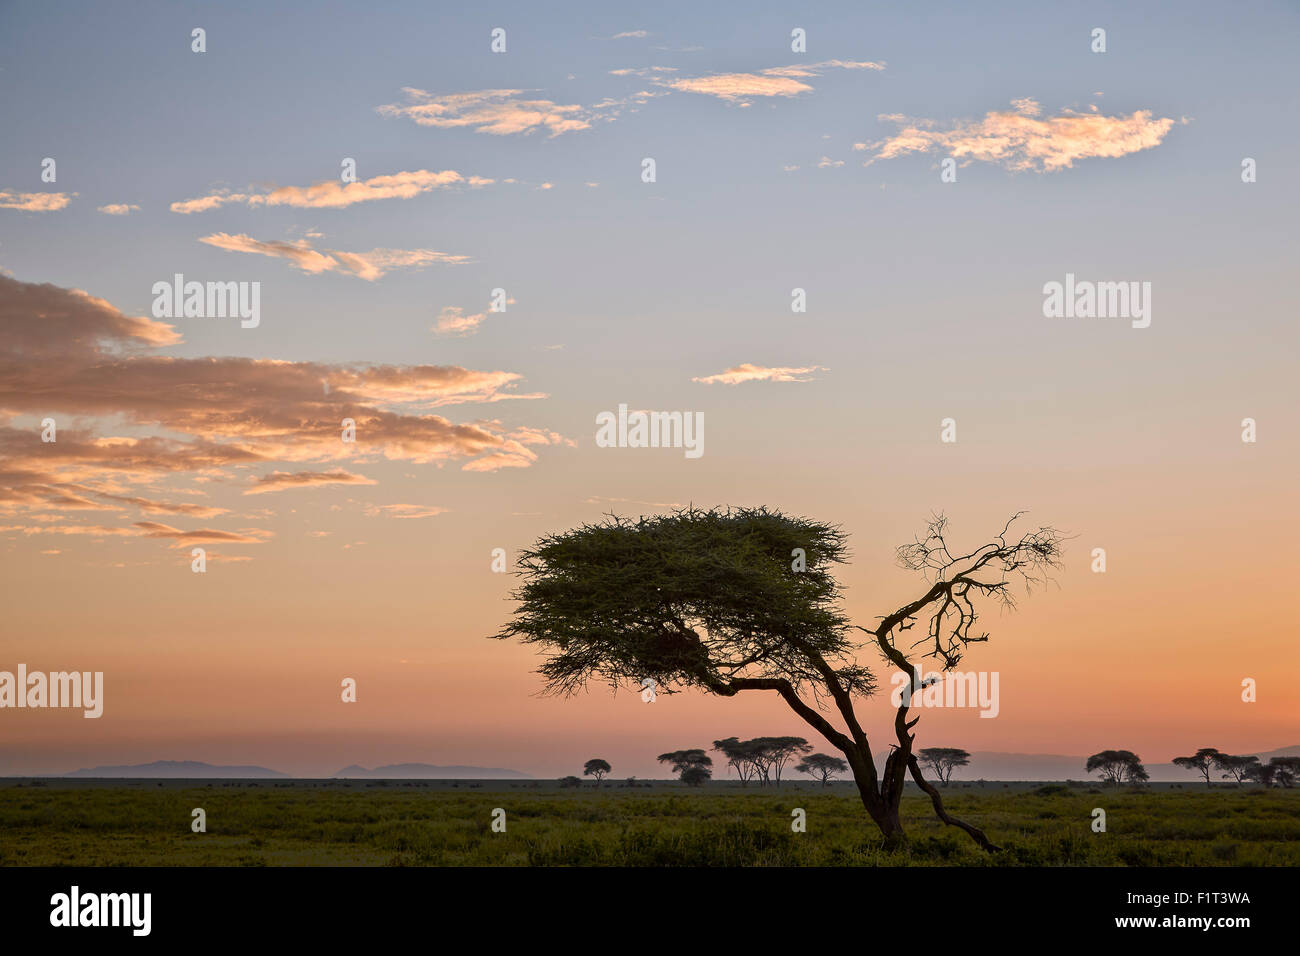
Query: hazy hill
point(429, 771)
point(176, 768)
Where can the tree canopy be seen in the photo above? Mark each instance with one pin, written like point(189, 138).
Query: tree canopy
point(1117, 766)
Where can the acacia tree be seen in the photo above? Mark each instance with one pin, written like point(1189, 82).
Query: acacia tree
point(821, 766)
point(1288, 770)
point(773, 753)
point(1262, 773)
point(740, 757)
point(712, 600)
point(688, 761)
point(596, 768)
point(944, 760)
point(1203, 761)
point(1117, 766)
point(1237, 767)
point(696, 776)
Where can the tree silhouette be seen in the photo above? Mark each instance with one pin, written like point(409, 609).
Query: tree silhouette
point(944, 760)
point(1203, 761)
point(773, 753)
point(686, 761)
point(1236, 767)
point(1288, 770)
point(740, 757)
point(712, 600)
point(1262, 773)
point(695, 776)
point(596, 768)
point(821, 766)
point(1117, 766)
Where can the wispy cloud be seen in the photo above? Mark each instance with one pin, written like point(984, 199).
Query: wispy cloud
point(282, 480)
point(35, 202)
point(626, 34)
point(336, 194)
point(602, 500)
point(117, 209)
point(452, 320)
point(499, 112)
point(759, 373)
point(404, 511)
point(1022, 139)
point(370, 265)
point(645, 72)
point(775, 81)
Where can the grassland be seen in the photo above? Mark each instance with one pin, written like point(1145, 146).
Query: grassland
point(423, 823)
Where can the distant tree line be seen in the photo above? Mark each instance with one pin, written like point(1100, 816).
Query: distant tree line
point(763, 759)
point(1279, 771)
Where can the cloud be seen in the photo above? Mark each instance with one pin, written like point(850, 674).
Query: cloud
point(645, 72)
point(152, 529)
point(827, 163)
point(35, 202)
point(138, 428)
point(452, 320)
point(630, 33)
point(499, 112)
point(602, 500)
point(370, 265)
point(148, 529)
point(73, 497)
point(404, 511)
point(1021, 139)
point(117, 209)
point(759, 373)
point(282, 480)
point(335, 194)
point(775, 81)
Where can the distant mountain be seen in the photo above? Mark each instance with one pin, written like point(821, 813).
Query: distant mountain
point(429, 771)
point(1280, 752)
point(176, 768)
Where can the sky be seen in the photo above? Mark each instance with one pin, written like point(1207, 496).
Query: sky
point(921, 178)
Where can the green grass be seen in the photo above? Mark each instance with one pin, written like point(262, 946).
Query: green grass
point(279, 824)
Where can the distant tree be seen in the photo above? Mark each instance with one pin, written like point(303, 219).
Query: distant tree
point(1203, 761)
point(596, 768)
point(740, 757)
point(775, 752)
point(1288, 770)
point(1117, 766)
point(822, 766)
point(1236, 766)
point(1262, 773)
point(570, 782)
point(709, 599)
point(944, 760)
point(685, 760)
point(696, 776)
point(763, 758)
